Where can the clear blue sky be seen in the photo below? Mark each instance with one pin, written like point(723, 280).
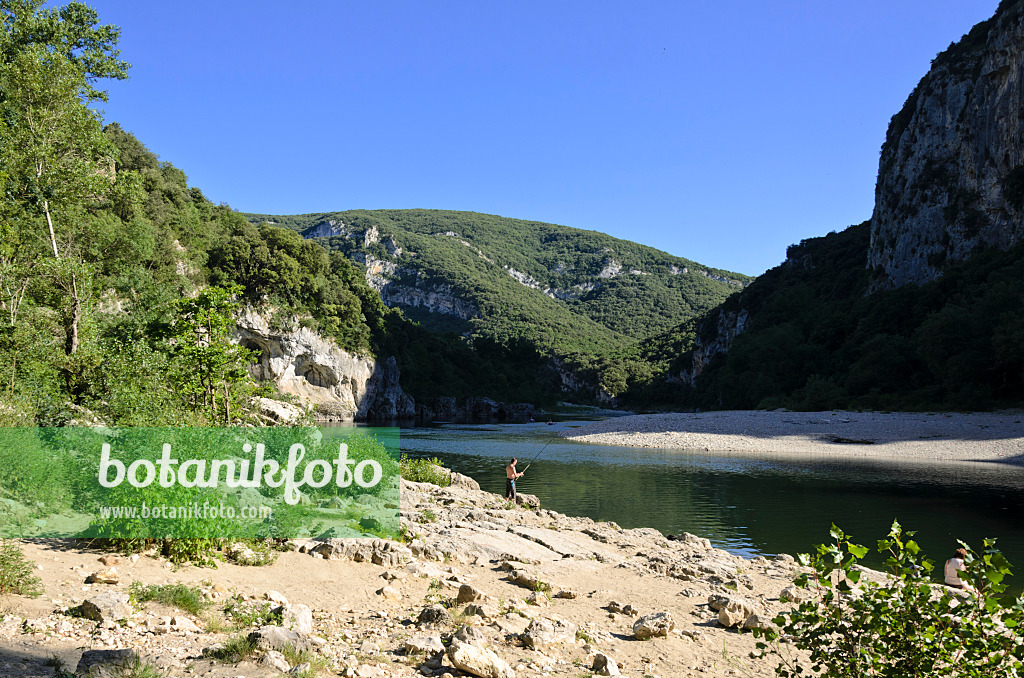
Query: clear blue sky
point(717, 131)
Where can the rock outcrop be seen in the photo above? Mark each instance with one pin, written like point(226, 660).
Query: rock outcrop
point(337, 384)
point(951, 173)
point(706, 347)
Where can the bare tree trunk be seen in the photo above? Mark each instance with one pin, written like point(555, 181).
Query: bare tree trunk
point(227, 406)
point(49, 222)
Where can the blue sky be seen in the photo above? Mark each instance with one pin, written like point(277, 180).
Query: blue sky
point(717, 131)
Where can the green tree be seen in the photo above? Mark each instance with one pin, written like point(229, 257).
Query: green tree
point(55, 156)
point(209, 366)
point(71, 32)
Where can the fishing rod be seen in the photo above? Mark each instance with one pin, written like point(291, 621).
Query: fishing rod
point(538, 455)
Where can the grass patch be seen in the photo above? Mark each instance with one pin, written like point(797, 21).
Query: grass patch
point(137, 668)
point(249, 613)
point(236, 649)
point(296, 657)
point(425, 471)
point(16, 572)
point(187, 598)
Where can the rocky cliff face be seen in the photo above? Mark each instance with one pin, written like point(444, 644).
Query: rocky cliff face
point(951, 174)
point(339, 385)
point(727, 325)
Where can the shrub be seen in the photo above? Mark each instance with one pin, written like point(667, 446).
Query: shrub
point(904, 626)
point(16, 572)
point(425, 471)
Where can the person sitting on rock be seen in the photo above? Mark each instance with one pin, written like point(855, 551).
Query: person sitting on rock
point(510, 479)
point(954, 565)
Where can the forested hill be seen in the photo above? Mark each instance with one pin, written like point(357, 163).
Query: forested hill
point(562, 289)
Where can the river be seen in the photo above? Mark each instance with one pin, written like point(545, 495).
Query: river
point(748, 506)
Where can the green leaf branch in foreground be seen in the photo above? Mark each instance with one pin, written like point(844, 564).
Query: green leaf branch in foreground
point(903, 625)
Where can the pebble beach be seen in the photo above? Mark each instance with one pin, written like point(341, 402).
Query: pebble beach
point(942, 436)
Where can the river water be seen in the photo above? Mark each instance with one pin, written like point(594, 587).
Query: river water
point(748, 506)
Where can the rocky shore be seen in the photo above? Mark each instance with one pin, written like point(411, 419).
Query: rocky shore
point(989, 437)
point(482, 587)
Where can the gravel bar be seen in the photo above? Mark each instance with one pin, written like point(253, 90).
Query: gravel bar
point(944, 436)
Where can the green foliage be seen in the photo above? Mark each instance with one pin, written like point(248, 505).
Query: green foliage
point(236, 649)
point(136, 668)
point(556, 257)
point(184, 597)
point(277, 267)
point(16, 572)
point(250, 613)
point(296, 657)
point(904, 626)
point(211, 366)
point(816, 339)
point(502, 348)
point(425, 471)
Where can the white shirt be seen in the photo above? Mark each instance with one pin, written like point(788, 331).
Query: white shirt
point(952, 566)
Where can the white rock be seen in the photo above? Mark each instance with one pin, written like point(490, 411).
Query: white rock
point(653, 625)
point(478, 661)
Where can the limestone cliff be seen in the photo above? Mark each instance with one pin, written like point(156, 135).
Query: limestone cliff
point(339, 385)
point(727, 324)
point(951, 173)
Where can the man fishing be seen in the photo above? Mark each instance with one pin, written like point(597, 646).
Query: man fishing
point(510, 479)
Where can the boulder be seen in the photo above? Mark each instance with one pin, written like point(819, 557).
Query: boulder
point(107, 576)
point(528, 500)
point(735, 612)
point(757, 621)
point(434, 614)
point(653, 625)
point(543, 632)
point(605, 665)
point(478, 661)
point(470, 594)
point(278, 638)
point(429, 645)
point(110, 606)
point(470, 634)
point(529, 580)
point(275, 660)
point(106, 663)
point(485, 610)
point(389, 593)
point(795, 594)
point(296, 617)
point(627, 609)
point(275, 597)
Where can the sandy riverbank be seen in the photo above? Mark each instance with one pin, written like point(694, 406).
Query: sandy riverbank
point(993, 437)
